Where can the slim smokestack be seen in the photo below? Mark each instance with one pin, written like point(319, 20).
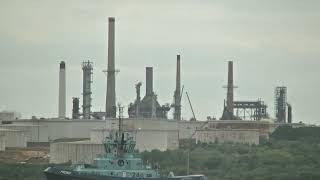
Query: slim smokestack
point(62, 90)
point(177, 94)
point(111, 84)
point(149, 81)
point(230, 88)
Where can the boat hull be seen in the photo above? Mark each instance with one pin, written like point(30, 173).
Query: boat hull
point(55, 174)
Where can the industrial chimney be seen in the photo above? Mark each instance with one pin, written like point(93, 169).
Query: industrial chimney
point(149, 81)
point(111, 84)
point(177, 93)
point(230, 89)
point(62, 90)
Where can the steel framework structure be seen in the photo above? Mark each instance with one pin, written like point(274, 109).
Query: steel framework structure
point(280, 98)
point(250, 110)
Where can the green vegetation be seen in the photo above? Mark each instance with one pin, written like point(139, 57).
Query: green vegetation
point(21, 172)
point(290, 154)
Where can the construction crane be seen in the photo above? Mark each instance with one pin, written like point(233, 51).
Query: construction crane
point(180, 97)
point(194, 117)
point(181, 93)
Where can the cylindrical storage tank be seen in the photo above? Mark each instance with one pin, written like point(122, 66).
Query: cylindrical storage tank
point(75, 108)
point(76, 152)
point(28, 129)
point(14, 138)
point(2, 142)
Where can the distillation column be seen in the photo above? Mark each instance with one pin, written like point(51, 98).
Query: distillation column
point(87, 80)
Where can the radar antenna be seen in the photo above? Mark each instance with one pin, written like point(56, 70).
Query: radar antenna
point(120, 118)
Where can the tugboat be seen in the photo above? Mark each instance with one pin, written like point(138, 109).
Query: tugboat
point(118, 163)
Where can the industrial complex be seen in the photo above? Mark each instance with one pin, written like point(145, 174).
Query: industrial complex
point(80, 137)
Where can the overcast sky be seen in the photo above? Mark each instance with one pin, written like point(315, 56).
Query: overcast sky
point(272, 43)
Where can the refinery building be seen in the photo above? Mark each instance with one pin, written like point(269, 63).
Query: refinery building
point(80, 137)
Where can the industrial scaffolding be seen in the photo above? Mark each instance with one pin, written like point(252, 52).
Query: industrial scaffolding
point(251, 110)
point(280, 103)
point(87, 80)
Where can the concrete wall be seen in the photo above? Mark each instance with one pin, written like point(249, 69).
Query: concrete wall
point(76, 152)
point(250, 136)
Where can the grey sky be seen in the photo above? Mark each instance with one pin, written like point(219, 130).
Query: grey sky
point(271, 42)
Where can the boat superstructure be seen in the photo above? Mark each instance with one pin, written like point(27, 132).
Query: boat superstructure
point(119, 162)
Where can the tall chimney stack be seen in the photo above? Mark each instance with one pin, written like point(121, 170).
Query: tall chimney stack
point(149, 81)
point(177, 93)
point(111, 84)
point(230, 88)
point(62, 90)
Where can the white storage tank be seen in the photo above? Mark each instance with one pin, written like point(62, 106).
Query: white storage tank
point(76, 152)
point(14, 138)
point(244, 136)
point(146, 139)
point(33, 132)
point(2, 142)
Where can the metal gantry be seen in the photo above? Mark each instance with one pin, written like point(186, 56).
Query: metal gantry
point(250, 110)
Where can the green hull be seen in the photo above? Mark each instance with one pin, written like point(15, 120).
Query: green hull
point(61, 174)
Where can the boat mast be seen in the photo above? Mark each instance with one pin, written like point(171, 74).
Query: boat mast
point(120, 118)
